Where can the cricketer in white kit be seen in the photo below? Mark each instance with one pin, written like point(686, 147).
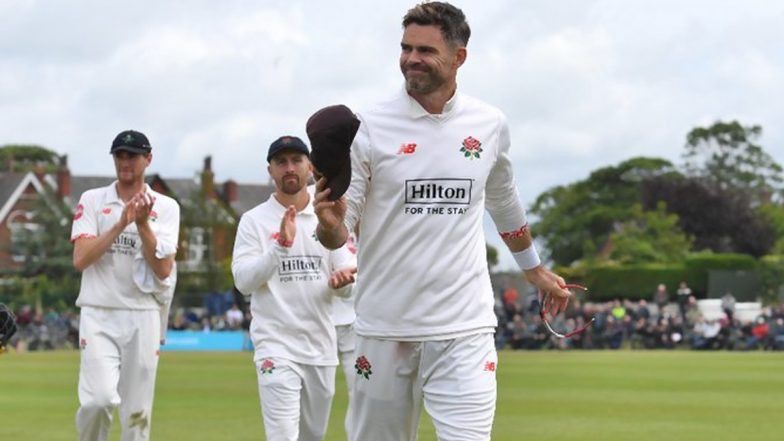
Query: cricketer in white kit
point(425, 165)
point(125, 238)
point(292, 280)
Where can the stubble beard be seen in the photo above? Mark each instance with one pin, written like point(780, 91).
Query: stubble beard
point(290, 187)
point(422, 84)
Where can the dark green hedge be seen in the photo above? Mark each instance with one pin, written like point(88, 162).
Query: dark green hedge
point(608, 281)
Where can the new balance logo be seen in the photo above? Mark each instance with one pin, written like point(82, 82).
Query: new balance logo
point(407, 149)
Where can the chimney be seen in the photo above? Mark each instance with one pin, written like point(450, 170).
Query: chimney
point(208, 179)
point(230, 190)
point(63, 178)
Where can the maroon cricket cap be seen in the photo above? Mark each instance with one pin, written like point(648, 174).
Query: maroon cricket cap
point(331, 131)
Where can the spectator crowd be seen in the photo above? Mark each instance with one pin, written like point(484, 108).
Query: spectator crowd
point(661, 324)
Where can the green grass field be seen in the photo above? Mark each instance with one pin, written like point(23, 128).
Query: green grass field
point(580, 396)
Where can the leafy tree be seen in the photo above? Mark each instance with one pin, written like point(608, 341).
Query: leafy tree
point(727, 153)
point(719, 218)
point(25, 157)
point(207, 214)
point(773, 214)
point(492, 255)
point(46, 273)
point(576, 220)
point(44, 241)
point(650, 236)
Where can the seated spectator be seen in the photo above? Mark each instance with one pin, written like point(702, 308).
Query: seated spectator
point(758, 335)
point(775, 339)
point(234, 317)
point(707, 335)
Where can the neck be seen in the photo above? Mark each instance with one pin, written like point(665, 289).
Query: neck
point(435, 101)
point(126, 191)
point(300, 200)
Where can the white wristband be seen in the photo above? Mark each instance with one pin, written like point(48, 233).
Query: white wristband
point(528, 258)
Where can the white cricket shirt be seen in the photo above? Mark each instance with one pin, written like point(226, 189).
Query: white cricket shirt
point(291, 301)
point(108, 283)
point(420, 185)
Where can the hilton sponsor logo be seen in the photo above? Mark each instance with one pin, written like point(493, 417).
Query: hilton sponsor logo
point(455, 191)
point(292, 265)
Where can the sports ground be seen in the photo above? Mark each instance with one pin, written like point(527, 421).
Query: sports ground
point(542, 396)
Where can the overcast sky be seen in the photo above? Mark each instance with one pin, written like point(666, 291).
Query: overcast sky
point(584, 84)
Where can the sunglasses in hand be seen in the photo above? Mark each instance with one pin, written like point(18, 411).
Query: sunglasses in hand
point(543, 311)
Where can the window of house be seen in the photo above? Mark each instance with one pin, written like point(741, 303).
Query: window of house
point(197, 248)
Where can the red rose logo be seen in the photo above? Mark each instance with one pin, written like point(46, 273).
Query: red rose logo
point(363, 367)
point(471, 148)
point(106, 210)
point(267, 366)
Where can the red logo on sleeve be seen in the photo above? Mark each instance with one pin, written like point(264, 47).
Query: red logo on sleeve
point(490, 366)
point(106, 210)
point(79, 212)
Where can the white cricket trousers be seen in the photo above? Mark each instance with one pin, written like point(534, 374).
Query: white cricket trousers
point(455, 378)
point(346, 343)
point(119, 359)
point(295, 399)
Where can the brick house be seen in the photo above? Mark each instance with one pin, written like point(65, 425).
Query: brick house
point(210, 210)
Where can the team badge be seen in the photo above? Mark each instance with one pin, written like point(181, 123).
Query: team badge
point(267, 366)
point(489, 366)
point(363, 367)
point(82, 343)
point(79, 212)
point(153, 216)
point(106, 210)
point(471, 148)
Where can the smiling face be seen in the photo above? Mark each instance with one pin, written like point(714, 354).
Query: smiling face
point(290, 170)
point(427, 61)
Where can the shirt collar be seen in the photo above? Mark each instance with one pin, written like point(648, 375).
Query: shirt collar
point(308, 208)
point(415, 110)
point(112, 196)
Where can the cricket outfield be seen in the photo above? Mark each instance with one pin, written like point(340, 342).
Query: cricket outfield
point(542, 396)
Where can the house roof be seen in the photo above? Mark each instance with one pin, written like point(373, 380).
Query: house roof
point(182, 189)
point(9, 181)
point(250, 195)
point(12, 186)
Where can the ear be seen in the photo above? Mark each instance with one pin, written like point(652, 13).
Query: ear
point(149, 158)
point(460, 56)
